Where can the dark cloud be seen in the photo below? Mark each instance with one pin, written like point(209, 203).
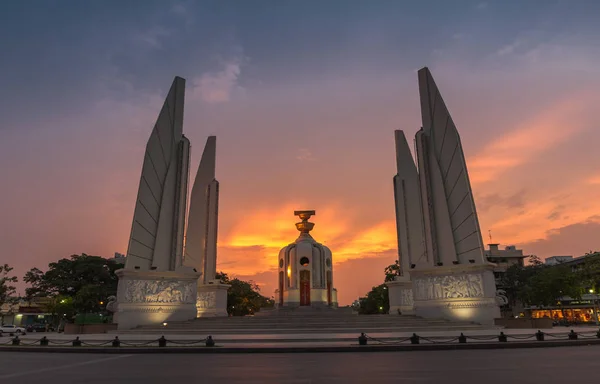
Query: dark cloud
point(575, 240)
point(516, 200)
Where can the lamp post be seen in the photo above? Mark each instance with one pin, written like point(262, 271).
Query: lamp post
point(594, 300)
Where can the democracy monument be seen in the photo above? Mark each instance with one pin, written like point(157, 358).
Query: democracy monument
point(171, 262)
point(169, 274)
point(305, 273)
point(443, 271)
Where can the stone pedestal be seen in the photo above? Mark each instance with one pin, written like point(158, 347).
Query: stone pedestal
point(212, 299)
point(401, 296)
point(154, 297)
point(458, 293)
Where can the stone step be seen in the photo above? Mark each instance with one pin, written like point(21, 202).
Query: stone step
point(254, 331)
point(200, 325)
point(316, 323)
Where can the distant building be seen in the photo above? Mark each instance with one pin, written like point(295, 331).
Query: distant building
point(505, 258)
point(554, 260)
point(119, 258)
point(23, 312)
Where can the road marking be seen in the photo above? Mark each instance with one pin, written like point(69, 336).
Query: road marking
point(18, 374)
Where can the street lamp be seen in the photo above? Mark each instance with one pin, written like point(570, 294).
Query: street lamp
point(595, 306)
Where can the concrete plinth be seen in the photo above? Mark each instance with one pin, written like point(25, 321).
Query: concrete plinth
point(401, 296)
point(318, 298)
point(154, 297)
point(212, 299)
point(456, 293)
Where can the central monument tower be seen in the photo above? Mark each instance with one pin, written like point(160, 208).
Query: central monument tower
point(305, 270)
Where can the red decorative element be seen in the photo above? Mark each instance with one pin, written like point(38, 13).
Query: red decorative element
point(280, 288)
point(304, 288)
point(328, 287)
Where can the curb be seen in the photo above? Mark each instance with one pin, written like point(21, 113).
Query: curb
point(307, 349)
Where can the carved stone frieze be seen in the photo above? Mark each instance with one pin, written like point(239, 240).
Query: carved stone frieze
point(471, 304)
point(206, 300)
point(406, 297)
point(448, 287)
point(160, 291)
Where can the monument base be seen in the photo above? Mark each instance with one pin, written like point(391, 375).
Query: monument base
point(212, 299)
point(154, 297)
point(456, 293)
point(318, 298)
point(401, 296)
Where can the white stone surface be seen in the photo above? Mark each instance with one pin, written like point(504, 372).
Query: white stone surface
point(401, 296)
point(157, 230)
point(460, 292)
point(201, 236)
point(154, 297)
point(456, 234)
point(409, 217)
point(440, 242)
point(319, 268)
point(212, 299)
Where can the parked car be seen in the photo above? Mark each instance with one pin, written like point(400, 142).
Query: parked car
point(11, 329)
point(39, 328)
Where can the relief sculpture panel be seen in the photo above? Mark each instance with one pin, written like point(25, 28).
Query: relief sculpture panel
point(407, 297)
point(448, 287)
point(159, 291)
point(206, 300)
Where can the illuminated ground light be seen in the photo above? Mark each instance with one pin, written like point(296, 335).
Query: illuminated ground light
point(462, 313)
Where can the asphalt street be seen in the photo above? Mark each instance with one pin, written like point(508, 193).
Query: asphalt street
point(540, 365)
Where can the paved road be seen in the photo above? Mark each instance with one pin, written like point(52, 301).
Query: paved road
point(551, 365)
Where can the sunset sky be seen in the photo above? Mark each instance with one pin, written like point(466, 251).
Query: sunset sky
point(304, 98)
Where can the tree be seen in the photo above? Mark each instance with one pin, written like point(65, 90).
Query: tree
point(376, 302)
point(7, 289)
point(82, 282)
point(391, 271)
point(34, 277)
point(243, 297)
point(535, 261)
point(61, 306)
point(590, 271)
point(516, 282)
point(551, 283)
point(88, 299)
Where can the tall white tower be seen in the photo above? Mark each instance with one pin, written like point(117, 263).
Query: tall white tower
point(154, 286)
point(439, 238)
point(201, 235)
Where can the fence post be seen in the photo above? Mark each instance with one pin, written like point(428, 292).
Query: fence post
point(539, 335)
point(362, 339)
point(502, 338)
point(162, 342)
point(210, 342)
point(414, 339)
